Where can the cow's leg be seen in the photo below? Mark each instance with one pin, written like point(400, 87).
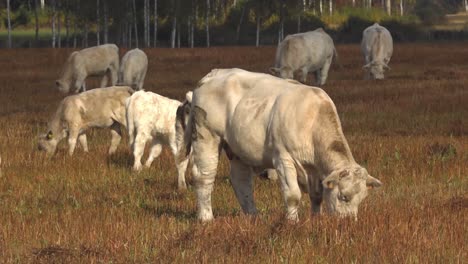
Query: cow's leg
point(324, 71)
point(318, 77)
point(304, 71)
point(113, 73)
point(138, 149)
point(289, 185)
point(206, 148)
point(116, 136)
point(72, 139)
point(181, 163)
point(315, 193)
point(242, 182)
point(83, 141)
point(155, 151)
point(104, 80)
point(80, 85)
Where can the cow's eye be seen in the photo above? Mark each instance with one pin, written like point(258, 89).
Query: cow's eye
point(343, 198)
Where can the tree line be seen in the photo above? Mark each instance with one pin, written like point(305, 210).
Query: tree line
point(187, 23)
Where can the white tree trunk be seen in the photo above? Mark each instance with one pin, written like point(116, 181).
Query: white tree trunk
point(401, 8)
point(36, 16)
point(42, 4)
point(207, 22)
point(257, 39)
point(388, 7)
point(173, 31)
point(466, 5)
point(155, 40)
point(321, 7)
point(354, 3)
point(331, 6)
point(54, 17)
point(145, 28)
point(59, 26)
point(106, 25)
point(135, 23)
point(98, 18)
point(9, 23)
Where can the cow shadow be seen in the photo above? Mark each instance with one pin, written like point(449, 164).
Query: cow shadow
point(120, 159)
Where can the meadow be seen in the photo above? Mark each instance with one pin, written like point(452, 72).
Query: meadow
point(409, 130)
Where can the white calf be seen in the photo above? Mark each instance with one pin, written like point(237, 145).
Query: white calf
point(162, 120)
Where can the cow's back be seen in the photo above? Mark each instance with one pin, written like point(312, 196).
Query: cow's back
point(98, 105)
point(96, 60)
point(305, 49)
point(377, 43)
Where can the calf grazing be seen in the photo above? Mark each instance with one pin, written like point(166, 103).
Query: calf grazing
point(133, 69)
point(101, 60)
point(303, 53)
point(161, 120)
point(102, 108)
point(264, 122)
point(377, 48)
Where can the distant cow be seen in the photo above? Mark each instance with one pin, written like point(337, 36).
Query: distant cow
point(102, 108)
point(265, 122)
point(377, 48)
point(303, 53)
point(155, 118)
point(133, 69)
point(101, 60)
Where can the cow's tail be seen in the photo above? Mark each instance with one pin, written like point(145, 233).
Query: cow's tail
point(130, 121)
point(335, 55)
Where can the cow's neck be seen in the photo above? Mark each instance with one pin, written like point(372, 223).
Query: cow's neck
point(334, 155)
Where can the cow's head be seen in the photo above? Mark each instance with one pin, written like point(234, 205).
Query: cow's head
point(284, 72)
point(344, 189)
point(183, 111)
point(63, 87)
point(376, 69)
point(48, 142)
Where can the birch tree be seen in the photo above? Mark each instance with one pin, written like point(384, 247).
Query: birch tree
point(54, 16)
point(155, 41)
point(9, 23)
point(207, 22)
point(36, 16)
point(135, 22)
point(98, 18)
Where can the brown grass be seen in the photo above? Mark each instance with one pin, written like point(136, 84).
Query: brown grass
point(409, 130)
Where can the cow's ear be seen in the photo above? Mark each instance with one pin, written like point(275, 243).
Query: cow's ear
point(49, 135)
point(274, 71)
point(188, 97)
point(372, 182)
point(331, 180)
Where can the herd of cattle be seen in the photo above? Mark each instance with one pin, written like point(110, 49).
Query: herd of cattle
point(259, 120)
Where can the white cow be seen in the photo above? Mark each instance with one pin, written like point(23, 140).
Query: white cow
point(377, 48)
point(162, 120)
point(101, 60)
point(303, 53)
point(262, 122)
point(133, 69)
point(102, 108)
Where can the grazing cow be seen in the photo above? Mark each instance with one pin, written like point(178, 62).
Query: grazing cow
point(101, 60)
point(303, 53)
point(133, 69)
point(377, 48)
point(162, 120)
point(102, 107)
point(262, 121)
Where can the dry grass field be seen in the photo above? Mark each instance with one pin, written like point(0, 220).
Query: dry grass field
point(410, 131)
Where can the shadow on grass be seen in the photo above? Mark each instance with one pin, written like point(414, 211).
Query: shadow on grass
point(120, 159)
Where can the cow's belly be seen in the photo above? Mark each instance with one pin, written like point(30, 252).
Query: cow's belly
point(246, 132)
